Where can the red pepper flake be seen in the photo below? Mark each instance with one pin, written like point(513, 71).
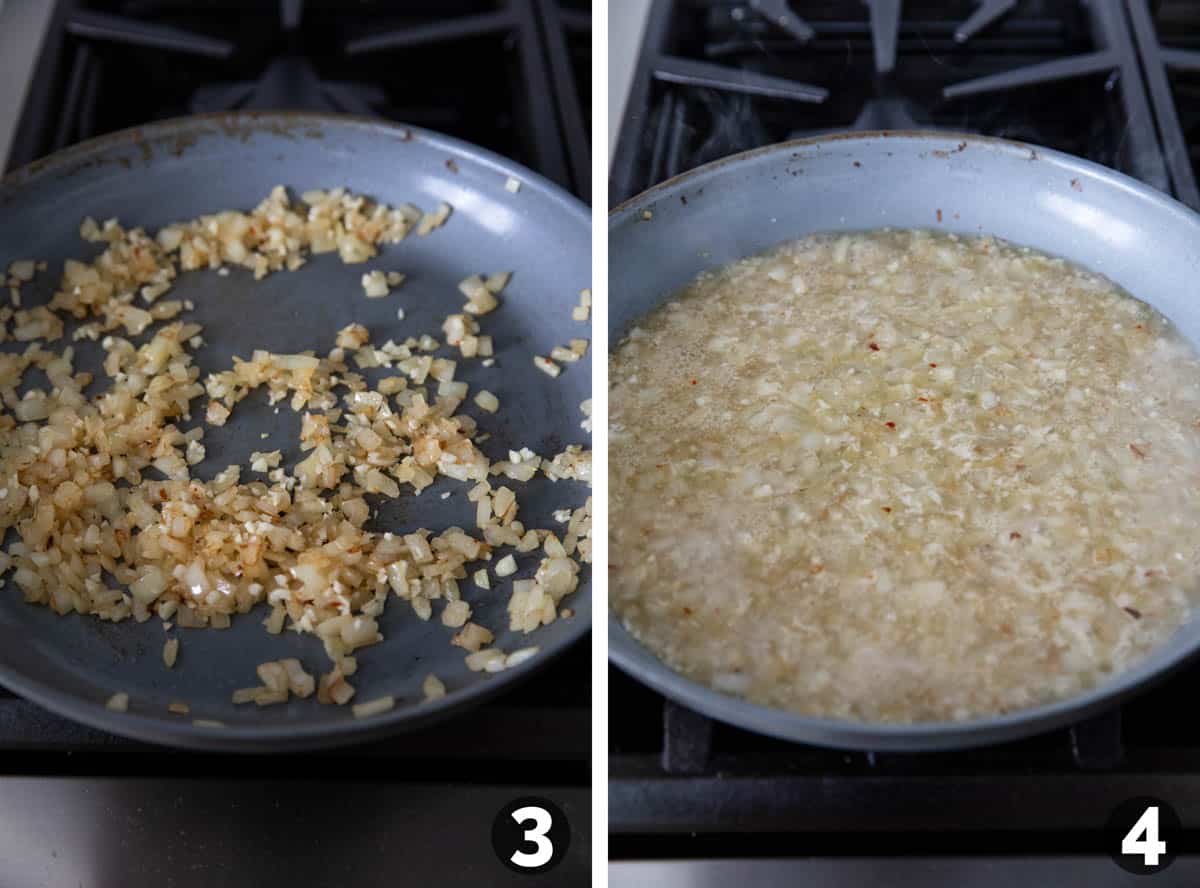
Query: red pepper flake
point(1075, 184)
point(687, 611)
point(939, 215)
point(873, 346)
point(816, 569)
point(890, 425)
point(933, 365)
point(1152, 573)
point(1133, 612)
point(887, 508)
point(1141, 454)
point(1014, 536)
point(923, 400)
point(693, 382)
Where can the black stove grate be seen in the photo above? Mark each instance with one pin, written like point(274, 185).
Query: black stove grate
point(684, 785)
point(568, 28)
point(477, 70)
point(723, 76)
point(1168, 39)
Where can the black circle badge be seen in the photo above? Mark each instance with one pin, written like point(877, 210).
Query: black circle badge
point(531, 835)
point(1142, 835)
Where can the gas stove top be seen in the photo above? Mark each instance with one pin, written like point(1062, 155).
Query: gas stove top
point(1111, 81)
point(477, 70)
point(719, 77)
point(79, 806)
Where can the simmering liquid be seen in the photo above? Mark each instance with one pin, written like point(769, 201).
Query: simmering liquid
point(899, 476)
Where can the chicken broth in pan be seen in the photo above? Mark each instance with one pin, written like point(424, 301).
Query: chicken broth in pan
point(900, 476)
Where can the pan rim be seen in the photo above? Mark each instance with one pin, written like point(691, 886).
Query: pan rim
point(1030, 151)
point(284, 120)
point(640, 663)
point(269, 738)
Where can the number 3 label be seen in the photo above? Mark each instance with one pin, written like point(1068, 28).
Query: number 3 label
point(542, 821)
point(1142, 835)
point(1142, 838)
point(530, 835)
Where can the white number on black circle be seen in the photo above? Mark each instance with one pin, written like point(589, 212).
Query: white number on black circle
point(1142, 839)
point(542, 821)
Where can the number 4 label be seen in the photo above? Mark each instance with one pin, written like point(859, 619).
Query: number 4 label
point(1142, 840)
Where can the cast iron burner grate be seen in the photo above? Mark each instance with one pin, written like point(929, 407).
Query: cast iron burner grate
point(568, 27)
point(503, 74)
point(1168, 40)
point(719, 77)
point(678, 779)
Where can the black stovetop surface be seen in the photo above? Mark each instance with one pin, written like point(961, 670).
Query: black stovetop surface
point(511, 75)
point(80, 806)
point(1111, 81)
point(720, 76)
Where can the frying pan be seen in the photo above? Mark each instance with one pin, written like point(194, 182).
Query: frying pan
point(182, 168)
point(741, 205)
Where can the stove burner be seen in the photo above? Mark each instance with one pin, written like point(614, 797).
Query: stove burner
point(887, 114)
point(289, 82)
